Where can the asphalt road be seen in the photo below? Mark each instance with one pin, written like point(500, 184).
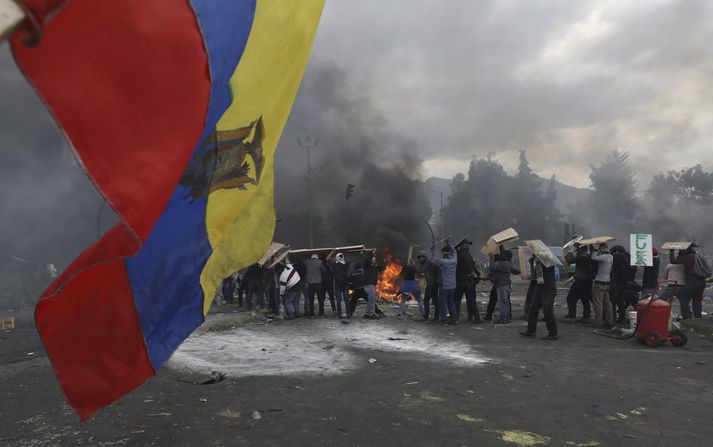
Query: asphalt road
point(429, 385)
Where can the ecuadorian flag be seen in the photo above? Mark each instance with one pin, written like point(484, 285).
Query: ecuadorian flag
point(174, 108)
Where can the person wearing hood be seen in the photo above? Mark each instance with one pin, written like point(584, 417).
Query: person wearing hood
point(466, 280)
point(603, 312)
point(651, 276)
point(290, 289)
point(313, 275)
point(500, 272)
point(340, 271)
point(446, 294)
point(431, 274)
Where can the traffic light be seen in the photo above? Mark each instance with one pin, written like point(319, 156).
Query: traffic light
point(350, 191)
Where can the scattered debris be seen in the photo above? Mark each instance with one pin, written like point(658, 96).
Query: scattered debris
point(425, 395)
point(396, 338)
point(410, 383)
point(7, 323)
point(229, 413)
point(203, 399)
point(216, 376)
point(155, 415)
point(256, 415)
point(522, 438)
point(584, 444)
point(638, 411)
point(372, 360)
point(30, 353)
point(328, 347)
point(507, 377)
point(467, 418)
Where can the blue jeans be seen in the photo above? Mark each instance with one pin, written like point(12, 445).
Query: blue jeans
point(446, 300)
point(370, 290)
point(292, 301)
point(342, 293)
point(503, 303)
point(410, 287)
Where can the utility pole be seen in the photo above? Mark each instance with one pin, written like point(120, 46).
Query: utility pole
point(308, 143)
point(443, 221)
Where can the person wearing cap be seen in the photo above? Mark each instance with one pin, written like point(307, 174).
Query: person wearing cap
point(466, 280)
point(544, 299)
point(446, 294)
point(432, 275)
point(313, 275)
point(651, 276)
point(500, 272)
point(340, 271)
point(603, 312)
point(581, 289)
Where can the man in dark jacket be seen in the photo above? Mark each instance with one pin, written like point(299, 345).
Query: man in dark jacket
point(446, 294)
point(256, 285)
point(371, 277)
point(409, 287)
point(531, 288)
point(581, 289)
point(621, 274)
point(545, 300)
point(431, 273)
point(500, 272)
point(466, 280)
point(340, 271)
point(313, 277)
point(328, 286)
point(651, 276)
point(695, 281)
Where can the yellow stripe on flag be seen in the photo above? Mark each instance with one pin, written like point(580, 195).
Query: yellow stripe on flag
point(241, 222)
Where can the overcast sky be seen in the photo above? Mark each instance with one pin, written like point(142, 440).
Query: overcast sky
point(566, 80)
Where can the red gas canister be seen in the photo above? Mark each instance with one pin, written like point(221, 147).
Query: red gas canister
point(652, 321)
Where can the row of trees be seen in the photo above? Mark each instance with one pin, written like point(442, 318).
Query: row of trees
point(489, 200)
point(678, 205)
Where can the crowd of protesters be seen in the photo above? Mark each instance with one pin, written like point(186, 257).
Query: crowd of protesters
point(602, 280)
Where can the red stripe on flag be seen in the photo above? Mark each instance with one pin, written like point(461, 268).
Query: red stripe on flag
point(93, 336)
point(128, 81)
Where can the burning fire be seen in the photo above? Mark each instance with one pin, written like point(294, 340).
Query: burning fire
point(389, 280)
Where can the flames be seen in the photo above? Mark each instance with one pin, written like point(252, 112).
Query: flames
point(389, 280)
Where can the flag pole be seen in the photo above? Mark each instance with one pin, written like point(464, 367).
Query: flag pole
point(11, 15)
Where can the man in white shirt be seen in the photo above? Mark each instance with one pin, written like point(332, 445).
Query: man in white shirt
point(289, 290)
point(603, 312)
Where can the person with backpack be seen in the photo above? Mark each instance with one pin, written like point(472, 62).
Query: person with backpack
point(696, 272)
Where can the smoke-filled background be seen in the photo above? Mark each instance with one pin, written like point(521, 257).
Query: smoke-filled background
point(555, 117)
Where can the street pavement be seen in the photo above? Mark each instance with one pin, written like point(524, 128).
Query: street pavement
point(393, 381)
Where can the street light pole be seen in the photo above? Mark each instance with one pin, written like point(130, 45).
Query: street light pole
point(443, 221)
point(308, 143)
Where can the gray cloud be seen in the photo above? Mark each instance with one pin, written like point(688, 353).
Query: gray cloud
point(566, 80)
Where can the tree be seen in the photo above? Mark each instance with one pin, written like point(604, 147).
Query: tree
point(613, 206)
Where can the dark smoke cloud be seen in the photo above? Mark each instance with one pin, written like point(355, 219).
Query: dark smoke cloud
point(49, 206)
point(355, 147)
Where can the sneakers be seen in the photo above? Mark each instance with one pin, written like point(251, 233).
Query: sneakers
point(502, 322)
point(527, 334)
point(551, 337)
point(453, 322)
point(478, 321)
